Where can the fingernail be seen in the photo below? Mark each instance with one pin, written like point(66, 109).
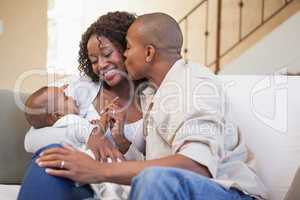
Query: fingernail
point(41, 154)
point(47, 170)
point(37, 160)
point(40, 164)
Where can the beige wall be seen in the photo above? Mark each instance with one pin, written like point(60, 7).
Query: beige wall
point(276, 53)
point(23, 44)
point(262, 32)
point(175, 8)
point(195, 37)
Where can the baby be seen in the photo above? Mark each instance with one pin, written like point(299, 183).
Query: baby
point(47, 105)
point(50, 106)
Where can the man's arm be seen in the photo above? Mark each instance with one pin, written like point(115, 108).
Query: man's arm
point(81, 168)
point(122, 173)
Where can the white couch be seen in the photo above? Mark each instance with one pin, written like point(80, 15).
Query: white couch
point(266, 110)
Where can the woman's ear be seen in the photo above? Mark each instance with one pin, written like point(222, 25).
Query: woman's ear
point(150, 53)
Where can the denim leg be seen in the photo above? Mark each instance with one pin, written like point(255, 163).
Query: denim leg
point(162, 183)
point(37, 184)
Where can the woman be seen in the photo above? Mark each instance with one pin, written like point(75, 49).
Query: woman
point(100, 59)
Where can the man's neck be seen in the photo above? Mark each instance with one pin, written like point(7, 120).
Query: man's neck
point(160, 70)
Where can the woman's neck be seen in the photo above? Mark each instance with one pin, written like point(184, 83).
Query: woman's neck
point(121, 90)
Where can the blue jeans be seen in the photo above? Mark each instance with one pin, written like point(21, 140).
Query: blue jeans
point(37, 184)
point(162, 183)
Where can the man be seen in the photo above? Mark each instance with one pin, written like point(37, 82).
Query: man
point(185, 127)
point(154, 46)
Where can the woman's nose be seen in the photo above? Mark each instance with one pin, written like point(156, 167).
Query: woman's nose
point(102, 63)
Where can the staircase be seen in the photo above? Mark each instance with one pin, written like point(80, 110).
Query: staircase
point(219, 31)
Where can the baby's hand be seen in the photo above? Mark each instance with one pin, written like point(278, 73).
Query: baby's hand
point(102, 123)
point(117, 119)
point(117, 133)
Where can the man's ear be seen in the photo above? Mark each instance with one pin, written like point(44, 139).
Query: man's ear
point(150, 53)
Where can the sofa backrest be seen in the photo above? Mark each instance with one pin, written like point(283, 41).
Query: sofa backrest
point(266, 108)
point(13, 127)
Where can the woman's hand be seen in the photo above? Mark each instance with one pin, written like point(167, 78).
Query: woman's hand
point(117, 120)
point(102, 147)
point(69, 163)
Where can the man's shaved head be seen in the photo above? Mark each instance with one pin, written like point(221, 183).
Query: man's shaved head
point(160, 30)
point(154, 43)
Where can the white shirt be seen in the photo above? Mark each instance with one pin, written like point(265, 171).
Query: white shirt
point(187, 115)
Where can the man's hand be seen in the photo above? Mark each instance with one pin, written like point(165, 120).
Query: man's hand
point(102, 147)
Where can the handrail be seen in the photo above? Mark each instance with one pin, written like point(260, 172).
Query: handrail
point(218, 39)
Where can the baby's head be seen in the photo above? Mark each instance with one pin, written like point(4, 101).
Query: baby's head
point(47, 105)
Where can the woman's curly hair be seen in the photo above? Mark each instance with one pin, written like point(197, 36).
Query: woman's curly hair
point(113, 26)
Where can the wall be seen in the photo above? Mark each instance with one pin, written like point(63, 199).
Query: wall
point(23, 44)
point(260, 34)
point(275, 53)
point(237, 26)
point(175, 8)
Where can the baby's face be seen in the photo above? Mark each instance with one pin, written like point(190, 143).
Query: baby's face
point(63, 103)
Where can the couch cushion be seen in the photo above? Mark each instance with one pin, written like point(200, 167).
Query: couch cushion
point(266, 108)
point(9, 192)
point(13, 157)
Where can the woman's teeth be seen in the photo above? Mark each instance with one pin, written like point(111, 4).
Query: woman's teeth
point(110, 74)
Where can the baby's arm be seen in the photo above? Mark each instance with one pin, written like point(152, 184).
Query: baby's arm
point(70, 132)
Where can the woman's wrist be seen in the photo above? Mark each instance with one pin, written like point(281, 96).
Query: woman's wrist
point(123, 145)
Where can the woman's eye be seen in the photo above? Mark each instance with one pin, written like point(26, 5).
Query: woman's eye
point(106, 55)
point(93, 62)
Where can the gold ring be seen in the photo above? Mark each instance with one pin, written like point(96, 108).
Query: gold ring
point(62, 164)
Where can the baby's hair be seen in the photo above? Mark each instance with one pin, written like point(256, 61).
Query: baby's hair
point(37, 119)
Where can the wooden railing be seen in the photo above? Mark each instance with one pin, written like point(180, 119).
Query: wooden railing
point(214, 48)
